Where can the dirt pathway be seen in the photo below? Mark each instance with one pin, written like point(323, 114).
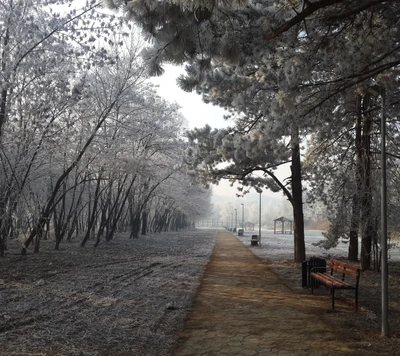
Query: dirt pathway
point(242, 308)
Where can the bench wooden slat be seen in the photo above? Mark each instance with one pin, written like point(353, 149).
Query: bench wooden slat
point(328, 279)
point(342, 270)
point(343, 265)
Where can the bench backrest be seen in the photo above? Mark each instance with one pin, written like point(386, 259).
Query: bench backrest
point(344, 269)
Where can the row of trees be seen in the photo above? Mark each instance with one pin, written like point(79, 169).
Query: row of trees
point(87, 148)
point(290, 72)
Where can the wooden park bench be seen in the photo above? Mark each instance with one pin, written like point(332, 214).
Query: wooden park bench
point(342, 270)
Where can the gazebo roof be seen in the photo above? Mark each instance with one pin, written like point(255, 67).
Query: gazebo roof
point(283, 219)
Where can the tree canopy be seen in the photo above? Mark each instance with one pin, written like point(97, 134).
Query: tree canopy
point(281, 67)
point(87, 147)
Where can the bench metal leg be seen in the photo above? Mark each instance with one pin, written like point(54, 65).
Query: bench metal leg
point(356, 299)
point(333, 298)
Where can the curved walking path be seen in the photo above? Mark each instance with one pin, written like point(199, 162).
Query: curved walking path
point(242, 308)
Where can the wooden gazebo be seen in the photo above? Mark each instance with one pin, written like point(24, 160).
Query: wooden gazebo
point(283, 230)
point(248, 225)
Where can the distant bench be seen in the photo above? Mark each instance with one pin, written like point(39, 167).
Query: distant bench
point(341, 269)
point(255, 240)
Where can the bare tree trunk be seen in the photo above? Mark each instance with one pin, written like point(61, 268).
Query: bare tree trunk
point(153, 222)
point(4, 91)
point(93, 213)
point(59, 224)
point(47, 211)
point(5, 229)
point(118, 213)
point(144, 222)
point(135, 225)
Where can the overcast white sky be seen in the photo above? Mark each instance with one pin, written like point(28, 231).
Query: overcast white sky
point(196, 112)
point(194, 109)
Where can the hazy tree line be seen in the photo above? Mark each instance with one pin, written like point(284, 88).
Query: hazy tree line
point(87, 148)
point(291, 72)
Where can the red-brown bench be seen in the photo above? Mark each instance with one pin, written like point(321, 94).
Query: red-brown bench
point(341, 270)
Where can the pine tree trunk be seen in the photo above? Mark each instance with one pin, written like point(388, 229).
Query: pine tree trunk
point(297, 192)
point(355, 217)
point(354, 227)
point(366, 197)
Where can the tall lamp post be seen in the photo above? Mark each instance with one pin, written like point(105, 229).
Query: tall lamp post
point(379, 91)
point(242, 216)
point(259, 223)
point(385, 308)
point(231, 221)
point(235, 220)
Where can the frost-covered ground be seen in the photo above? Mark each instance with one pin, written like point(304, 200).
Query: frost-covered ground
point(124, 296)
point(280, 247)
point(129, 297)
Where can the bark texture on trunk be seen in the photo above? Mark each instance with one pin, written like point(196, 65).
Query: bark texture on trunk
point(355, 209)
point(297, 193)
point(367, 226)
